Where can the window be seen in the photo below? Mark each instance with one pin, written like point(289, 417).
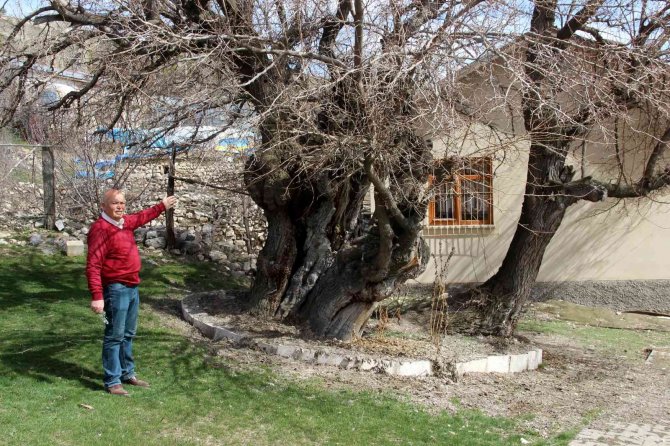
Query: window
point(463, 196)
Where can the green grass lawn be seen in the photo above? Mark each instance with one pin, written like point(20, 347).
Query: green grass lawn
point(51, 394)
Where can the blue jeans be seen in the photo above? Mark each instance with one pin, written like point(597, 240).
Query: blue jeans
point(122, 304)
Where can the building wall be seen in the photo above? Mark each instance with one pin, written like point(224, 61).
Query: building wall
point(612, 240)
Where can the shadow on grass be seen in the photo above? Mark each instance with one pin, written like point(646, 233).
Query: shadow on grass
point(48, 331)
point(39, 357)
point(31, 279)
point(46, 357)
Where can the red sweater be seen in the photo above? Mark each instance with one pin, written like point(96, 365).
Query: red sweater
point(112, 252)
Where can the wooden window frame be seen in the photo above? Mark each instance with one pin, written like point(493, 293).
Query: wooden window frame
point(485, 177)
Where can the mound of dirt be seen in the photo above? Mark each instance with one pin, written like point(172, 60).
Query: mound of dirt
point(401, 336)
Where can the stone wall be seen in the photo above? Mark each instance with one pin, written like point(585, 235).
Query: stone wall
point(210, 224)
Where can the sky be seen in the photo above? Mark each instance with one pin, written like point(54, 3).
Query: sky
point(19, 8)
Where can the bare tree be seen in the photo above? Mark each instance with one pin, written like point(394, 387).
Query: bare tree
point(588, 74)
point(342, 95)
point(338, 92)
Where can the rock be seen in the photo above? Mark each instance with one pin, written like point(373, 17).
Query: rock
point(35, 239)
point(218, 256)
point(186, 236)
point(60, 243)
point(140, 235)
point(227, 245)
point(473, 366)
point(74, 248)
point(216, 222)
point(497, 364)
point(48, 250)
point(191, 248)
point(207, 229)
point(158, 242)
point(518, 363)
point(250, 264)
point(208, 237)
point(60, 225)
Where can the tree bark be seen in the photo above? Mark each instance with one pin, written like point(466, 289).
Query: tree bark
point(501, 298)
point(323, 265)
point(549, 192)
point(49, 186)
point(169, 214)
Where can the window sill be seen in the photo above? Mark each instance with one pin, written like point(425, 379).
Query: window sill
point(453, 230)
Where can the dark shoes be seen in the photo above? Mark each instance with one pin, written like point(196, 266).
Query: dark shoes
point(136, 382)
point(117, 390)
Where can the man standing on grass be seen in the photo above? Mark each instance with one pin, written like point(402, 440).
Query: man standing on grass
point(112, 269)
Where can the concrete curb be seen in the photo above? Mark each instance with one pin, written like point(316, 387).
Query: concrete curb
point(396, 367)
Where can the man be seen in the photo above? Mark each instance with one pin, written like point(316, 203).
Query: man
point(112, 269)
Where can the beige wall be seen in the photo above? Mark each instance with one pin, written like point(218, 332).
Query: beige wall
point(612, 240)
point(478, 252)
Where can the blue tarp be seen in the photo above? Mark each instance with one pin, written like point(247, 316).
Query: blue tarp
point(242, 146)
point(132, 139)
point(141, 143)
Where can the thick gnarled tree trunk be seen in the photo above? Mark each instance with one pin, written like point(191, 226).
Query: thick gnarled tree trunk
point(324, 263)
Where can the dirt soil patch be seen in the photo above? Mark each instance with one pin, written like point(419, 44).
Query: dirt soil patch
point(387, 336)
point(602, 317)
point(576, 384)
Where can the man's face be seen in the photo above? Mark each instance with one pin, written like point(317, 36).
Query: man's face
point(115, 206)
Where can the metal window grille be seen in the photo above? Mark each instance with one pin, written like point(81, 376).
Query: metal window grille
point(465, 196)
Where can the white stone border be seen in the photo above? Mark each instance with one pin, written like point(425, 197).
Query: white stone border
point(396, 367)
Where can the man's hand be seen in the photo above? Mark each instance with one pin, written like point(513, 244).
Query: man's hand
point(169, 202)
point(97, 306)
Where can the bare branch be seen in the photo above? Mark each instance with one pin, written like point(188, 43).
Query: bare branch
point(578, 21)
point(387, 200)
point(207, 184)
point(72, 96)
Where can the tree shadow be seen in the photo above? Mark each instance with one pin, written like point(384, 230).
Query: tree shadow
point(37, 356)
point(49, 333)
point(44, 288)
point(44, 305)
point(30, 278)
